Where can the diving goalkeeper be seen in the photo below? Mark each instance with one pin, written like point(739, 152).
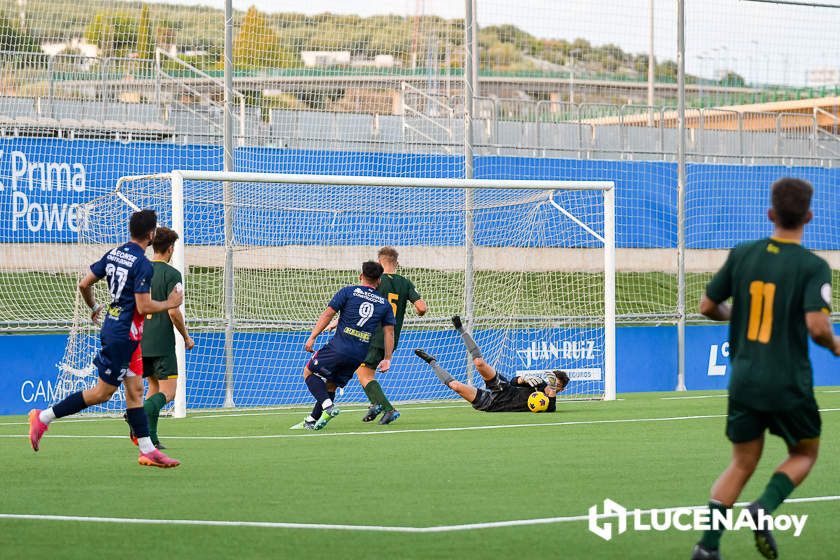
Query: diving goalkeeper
point(501, 395)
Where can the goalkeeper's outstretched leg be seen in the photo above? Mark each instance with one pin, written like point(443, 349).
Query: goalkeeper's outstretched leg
point(501, 394)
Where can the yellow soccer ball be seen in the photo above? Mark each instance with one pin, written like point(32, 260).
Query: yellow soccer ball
point(537, 402)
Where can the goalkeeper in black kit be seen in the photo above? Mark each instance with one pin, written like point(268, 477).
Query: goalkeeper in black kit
point(501, 394)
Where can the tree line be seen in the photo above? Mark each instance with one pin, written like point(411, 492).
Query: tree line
point(274, 41)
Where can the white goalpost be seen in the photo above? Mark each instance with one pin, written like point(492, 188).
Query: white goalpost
point(262, 253)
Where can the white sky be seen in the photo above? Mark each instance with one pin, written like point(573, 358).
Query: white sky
point(764, 42)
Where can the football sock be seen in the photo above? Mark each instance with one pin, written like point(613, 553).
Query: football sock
point(711, 537)
point(472, 347)
point(330, 401)
point(317, 410)
point(137, 420)
point(71, 405)
point(318, 389)
point(152, 407)
point(145, 444)
point(441, 373)
point(777, 490)
point(47, 415)
point(374, 392)
point(140, 424)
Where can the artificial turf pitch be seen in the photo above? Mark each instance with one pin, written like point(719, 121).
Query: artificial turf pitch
point(440, 465)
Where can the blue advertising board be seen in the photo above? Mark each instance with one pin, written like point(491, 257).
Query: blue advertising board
point(42, 182)
point(646, 360)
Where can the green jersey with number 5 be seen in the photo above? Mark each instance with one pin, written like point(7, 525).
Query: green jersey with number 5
point(773, 284)
point(399, 291)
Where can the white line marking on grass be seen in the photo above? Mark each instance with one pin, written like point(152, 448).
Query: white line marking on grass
point(306, 411)
point(694, 397)
point(405, 431)
point(285, 412)
point(366, 528)
point(411, 430)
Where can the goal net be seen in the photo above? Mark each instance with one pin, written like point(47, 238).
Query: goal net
point(527, 264)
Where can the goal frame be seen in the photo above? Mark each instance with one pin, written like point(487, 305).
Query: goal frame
point(178, 176)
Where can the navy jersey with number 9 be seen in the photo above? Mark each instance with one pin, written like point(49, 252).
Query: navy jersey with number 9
point(362, 309)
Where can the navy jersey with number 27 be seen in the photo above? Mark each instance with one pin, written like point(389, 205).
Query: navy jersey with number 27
point(128, 272)
point(362, 310)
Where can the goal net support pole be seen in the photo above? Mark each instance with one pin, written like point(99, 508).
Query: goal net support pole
point(179, 262)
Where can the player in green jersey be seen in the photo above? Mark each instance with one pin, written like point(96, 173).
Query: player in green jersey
point(160, 365)
point(399, 291)
point(781, 293)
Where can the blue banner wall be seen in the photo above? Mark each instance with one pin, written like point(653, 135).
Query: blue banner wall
point(646, 361)
point(42, 181)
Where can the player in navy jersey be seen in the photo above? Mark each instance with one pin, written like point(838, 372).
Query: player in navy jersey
point(129, 276)
point(361, 310)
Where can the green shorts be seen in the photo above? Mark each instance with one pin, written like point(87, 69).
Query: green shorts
point(160, 367)
point(745, 424)
point(374, 356)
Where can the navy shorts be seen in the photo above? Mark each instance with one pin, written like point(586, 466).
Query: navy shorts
point(334, 367)
point(118, 359)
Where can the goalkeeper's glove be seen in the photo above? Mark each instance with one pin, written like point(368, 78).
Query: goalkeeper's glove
point(551, 379)
point(533, 379)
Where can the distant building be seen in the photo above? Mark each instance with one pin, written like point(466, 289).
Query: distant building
point(819, 77)
point(321, 59)
point(384, 61)
point(77, 45)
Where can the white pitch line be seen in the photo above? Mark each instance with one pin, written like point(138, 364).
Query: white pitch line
point(234, 414)
point(306, 411)
point(405, 431)
point(411, 430)
point(365, 528)
point(695, 397)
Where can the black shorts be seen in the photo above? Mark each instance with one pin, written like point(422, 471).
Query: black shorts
point(333, 366)
point(160, 367)
point(508, 399)
point(374, 356)
point(745, 424)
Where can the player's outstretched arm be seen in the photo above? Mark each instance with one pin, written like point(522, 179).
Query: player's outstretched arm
point(86, 289)
point(713, 310)
point(319, 327)
point(147, 306)
point(819, 327)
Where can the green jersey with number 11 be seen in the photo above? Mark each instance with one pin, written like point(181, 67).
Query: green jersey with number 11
point(773, 284)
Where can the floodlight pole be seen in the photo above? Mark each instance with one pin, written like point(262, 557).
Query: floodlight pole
point(228, 204)
point(681, 195)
